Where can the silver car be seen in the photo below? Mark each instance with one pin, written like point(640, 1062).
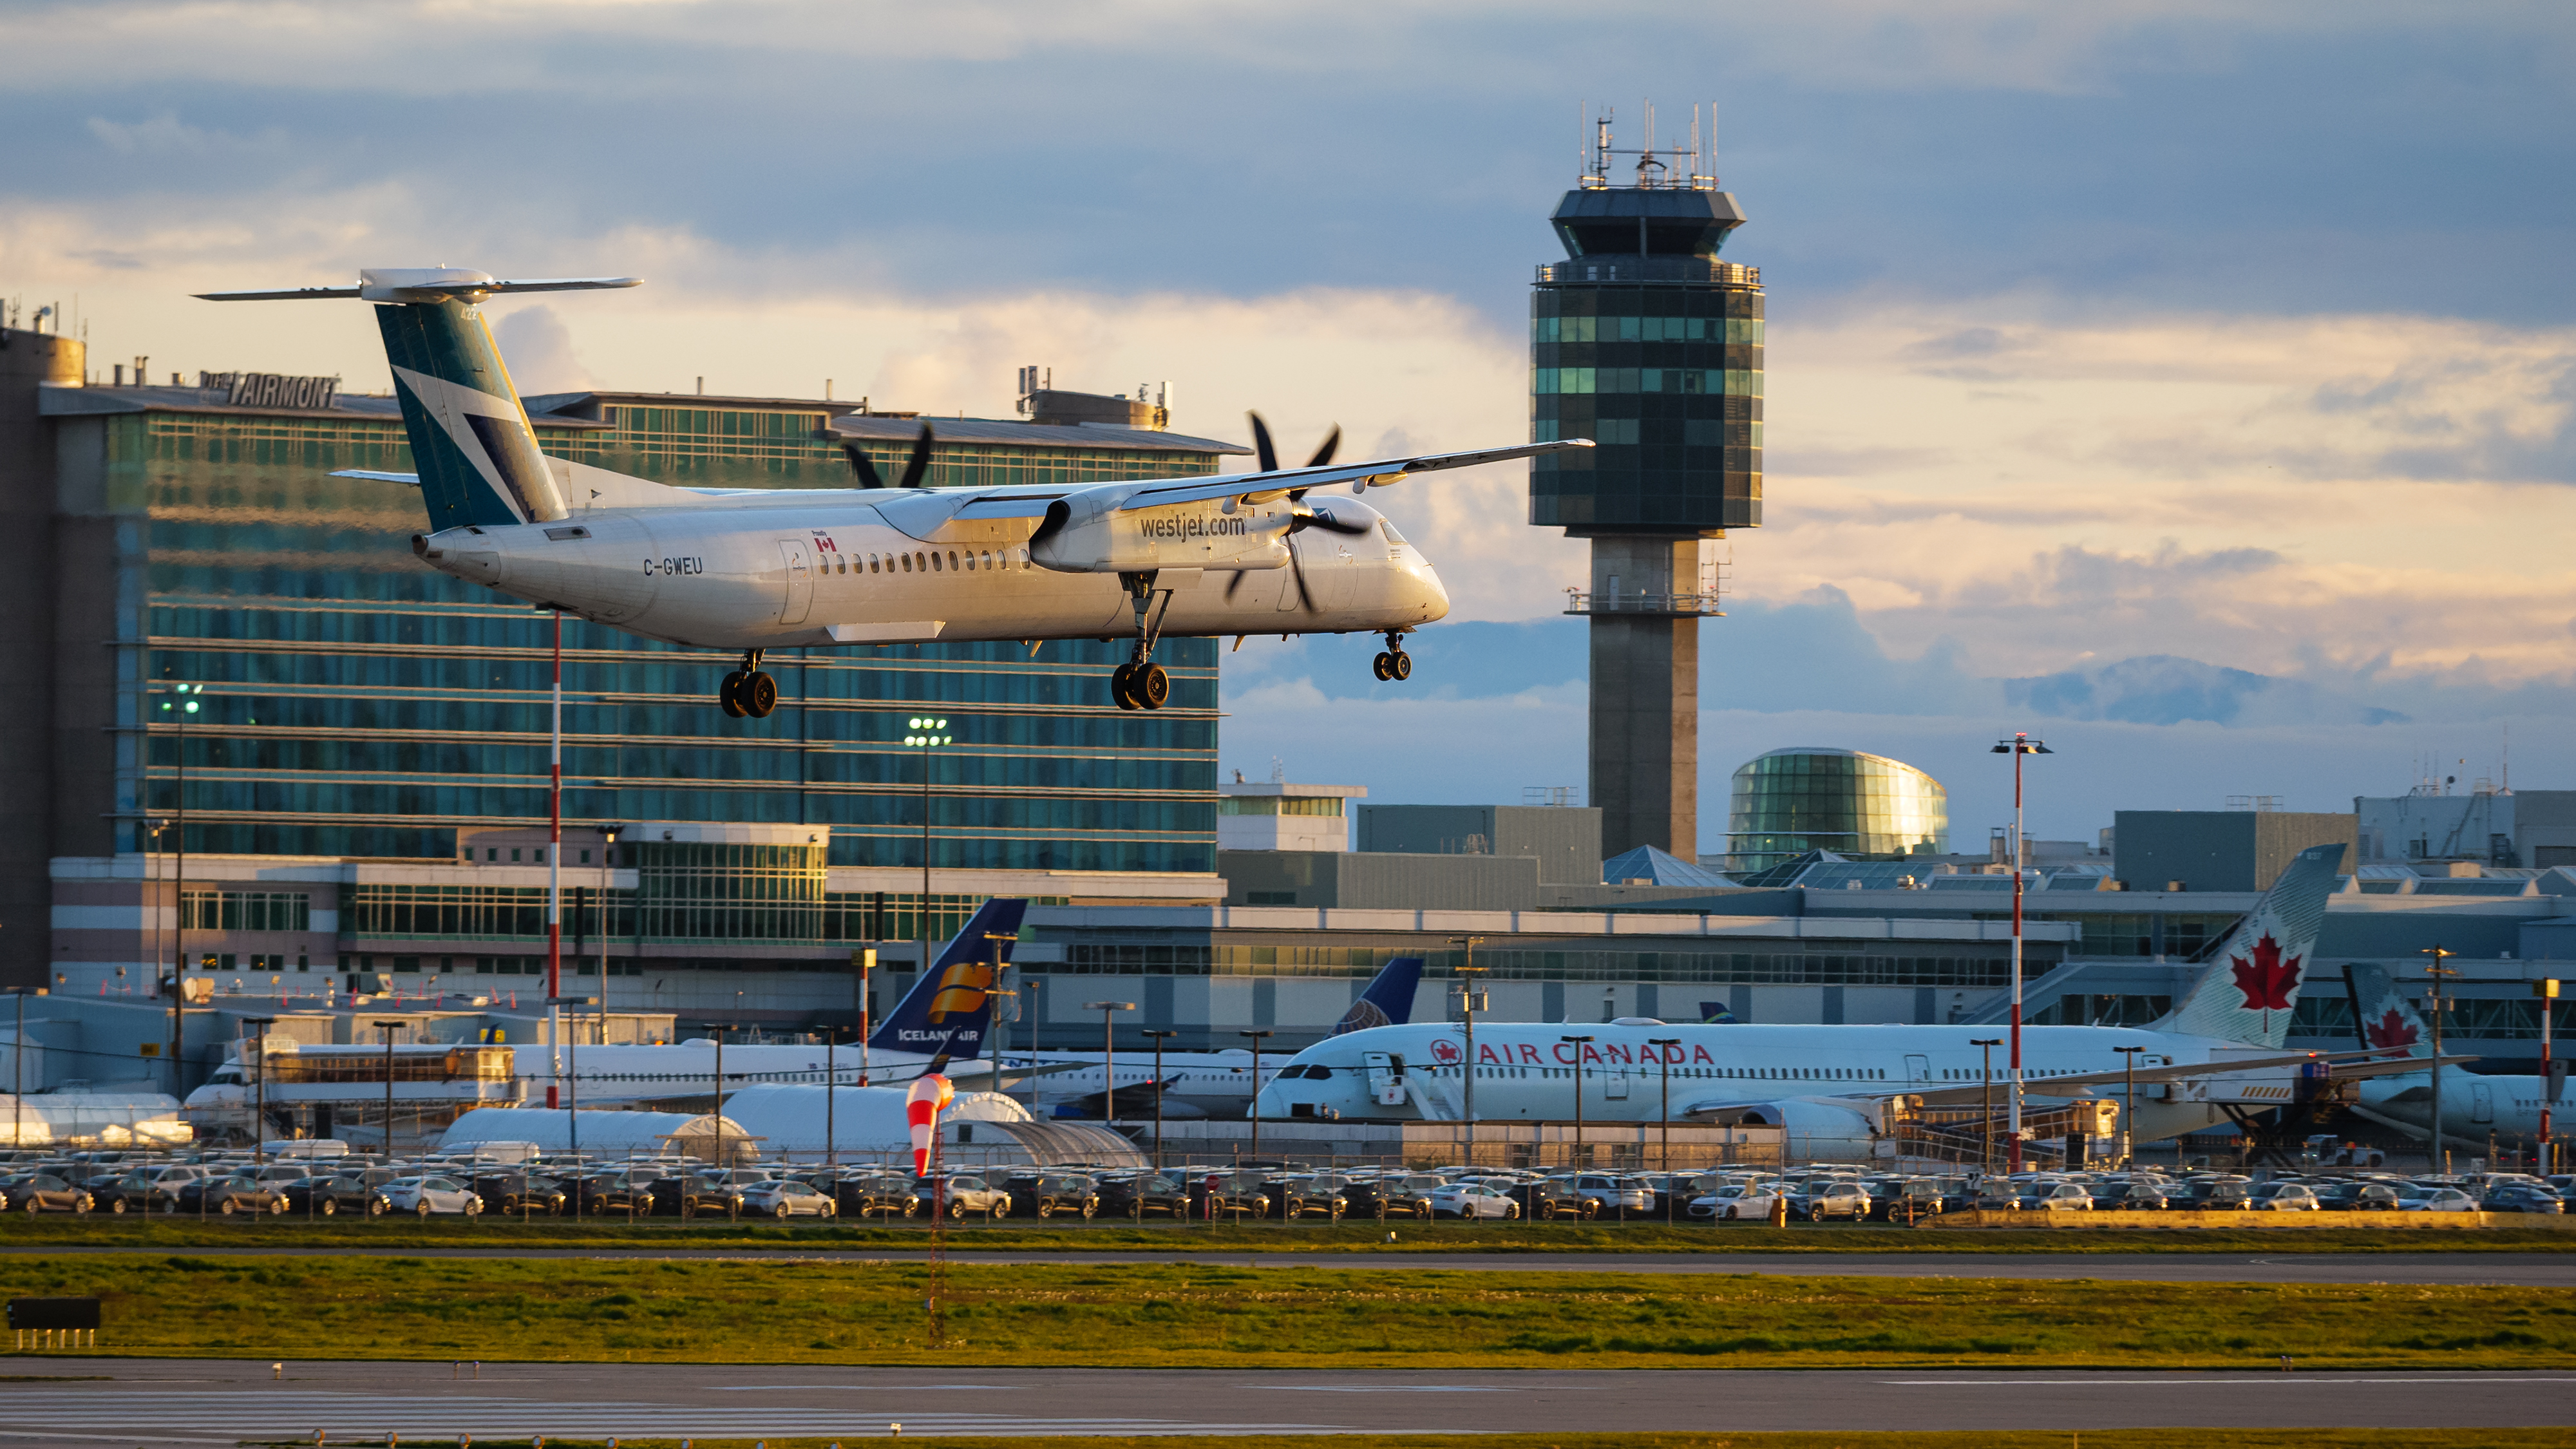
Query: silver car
point(784, 1199)
point(431, 1194)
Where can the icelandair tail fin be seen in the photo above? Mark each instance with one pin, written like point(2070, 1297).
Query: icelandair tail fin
point(1388, 1000)
point(2384, 1015)
point(470, 440)
point(2251, 984)
point(948, 1012)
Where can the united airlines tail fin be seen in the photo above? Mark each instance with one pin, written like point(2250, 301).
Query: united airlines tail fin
point(947, 1013)
point(2383, 1014)
point(470, 440)
point(1388, 1000)
point(2250, 987)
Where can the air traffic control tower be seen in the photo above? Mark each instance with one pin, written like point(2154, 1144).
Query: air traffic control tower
point(1645, 342)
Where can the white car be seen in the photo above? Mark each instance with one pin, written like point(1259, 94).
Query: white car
point(426, 1195)
point(1742, 1201)
point(1473, 1200)
point(786, 1200)
point(2435, 1200)
point(2064, 1197)
point(1612, 1193)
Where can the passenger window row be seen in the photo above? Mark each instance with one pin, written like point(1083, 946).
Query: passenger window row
point(929, 561)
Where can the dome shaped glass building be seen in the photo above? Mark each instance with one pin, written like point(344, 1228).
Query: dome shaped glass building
point(1859, 806)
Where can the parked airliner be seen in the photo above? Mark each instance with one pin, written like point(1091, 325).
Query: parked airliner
point(756, 569)
point(1830, 1086)
point(2473, 1104)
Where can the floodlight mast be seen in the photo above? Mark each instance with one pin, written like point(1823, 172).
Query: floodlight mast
point(2019, 745)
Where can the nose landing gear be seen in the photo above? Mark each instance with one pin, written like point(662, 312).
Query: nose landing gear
point(1392, 662)
point(1140, 683)
point(748, 690)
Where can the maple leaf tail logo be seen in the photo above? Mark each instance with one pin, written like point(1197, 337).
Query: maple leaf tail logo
point(2267, 980)
point(2391, 1033)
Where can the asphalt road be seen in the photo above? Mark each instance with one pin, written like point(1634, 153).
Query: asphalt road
point(194, 1401)
point(2519, 1270)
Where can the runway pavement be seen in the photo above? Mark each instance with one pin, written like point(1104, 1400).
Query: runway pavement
point(195, 1401)
point(2518, 1270)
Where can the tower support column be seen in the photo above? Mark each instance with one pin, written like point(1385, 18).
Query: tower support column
point(1647, 598)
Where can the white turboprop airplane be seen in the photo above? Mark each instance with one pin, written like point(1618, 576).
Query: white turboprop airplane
point(757, 569)
point(1831, 1086)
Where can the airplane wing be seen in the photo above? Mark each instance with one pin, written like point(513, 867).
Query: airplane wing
point(2345, 1066)
point(1251, 487)
point(410, 480)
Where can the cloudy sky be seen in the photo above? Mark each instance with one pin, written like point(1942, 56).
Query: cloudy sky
point(2189, 383)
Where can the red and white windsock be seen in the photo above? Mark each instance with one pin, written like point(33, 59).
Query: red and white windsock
point(921, 1109)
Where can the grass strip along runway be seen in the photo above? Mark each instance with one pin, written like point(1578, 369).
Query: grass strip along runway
point(185, 1231)
point(1210, 1316)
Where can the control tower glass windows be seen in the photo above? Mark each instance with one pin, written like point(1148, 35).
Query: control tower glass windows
point(1665, 377)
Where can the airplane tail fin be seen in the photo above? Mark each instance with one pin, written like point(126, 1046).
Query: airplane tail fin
point(2384, 1015)
point(2250, 987)
point(1388, 1000)
point(949, 1011)
point(470, 441)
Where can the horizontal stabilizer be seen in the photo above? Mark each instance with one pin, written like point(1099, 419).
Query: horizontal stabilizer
point(409, 480)
point(426, 284)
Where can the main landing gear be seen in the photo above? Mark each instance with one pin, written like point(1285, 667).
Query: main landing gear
point(1140, 683)
point(1392, 662)
point(748, 691)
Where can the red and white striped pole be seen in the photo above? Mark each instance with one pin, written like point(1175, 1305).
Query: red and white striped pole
point(554, 880)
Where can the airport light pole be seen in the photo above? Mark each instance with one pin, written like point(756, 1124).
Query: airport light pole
point(554, 873)
point(2129, 1108)
point(1108, 1057)
point(926, 735)
point(2019, 745)
point(1257, 1038)
point(1467, 1004)
point(607, 877)
point(2547, 990)
point(183, 704)
point(1158, 1039)
point(993, 1018)
point(1986, 1102)
point(2438, 972)
point(1663, 1046)
point(18, 1070)
point(572, 1076)
point(259, 1081)
point(1579, 1043)
point(387, 1027)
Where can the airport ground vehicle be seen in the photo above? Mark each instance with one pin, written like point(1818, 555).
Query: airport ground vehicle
point(1142, 1194)
point(1473, 1200)
point(334, 1195)
point(1043, 1194)
point(230, 1194)
point(878, 1195)
point(42, 1192)
point(2522, 1197)
point(1816, 1201)
point(784, 1199)
point(964, 1193)
point(1300, 1196)
point(518, 1193)
point(1390, 1196)
point(430, 1193)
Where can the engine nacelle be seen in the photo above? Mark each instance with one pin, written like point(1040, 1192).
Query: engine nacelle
point(1834, 1128)
point(1082, 536)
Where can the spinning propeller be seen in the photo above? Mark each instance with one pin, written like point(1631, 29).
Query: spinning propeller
point(913, 468)
point(1300, 517)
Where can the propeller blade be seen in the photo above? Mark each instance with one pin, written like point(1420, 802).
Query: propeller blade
point(860, 465)
point(1324, 454)
point(1297, 570)
point(919, 463)
point(1266, 455)
point(1233, 584)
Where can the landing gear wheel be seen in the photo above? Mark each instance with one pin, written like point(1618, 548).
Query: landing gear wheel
point(1151, 685)
point(1122, 683)
point(729, 693)
point(757, 694)
point(1383, 666)
point(1400, 664)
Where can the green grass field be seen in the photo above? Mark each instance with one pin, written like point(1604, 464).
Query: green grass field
point(1205, 1315)
point(1025, 1236)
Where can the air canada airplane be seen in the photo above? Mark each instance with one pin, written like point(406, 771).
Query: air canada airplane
point(760, 569)
point(2473, 1105)
point(1831, 1086)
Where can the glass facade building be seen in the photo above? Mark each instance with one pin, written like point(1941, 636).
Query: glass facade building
point(1859, 806)
point(358, 704)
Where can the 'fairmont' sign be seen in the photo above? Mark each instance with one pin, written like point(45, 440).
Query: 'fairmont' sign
point(272, 390)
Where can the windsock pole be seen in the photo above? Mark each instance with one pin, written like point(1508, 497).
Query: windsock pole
point(929, 1093)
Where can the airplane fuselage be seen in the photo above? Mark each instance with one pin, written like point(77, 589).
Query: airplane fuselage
point(821, 568)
